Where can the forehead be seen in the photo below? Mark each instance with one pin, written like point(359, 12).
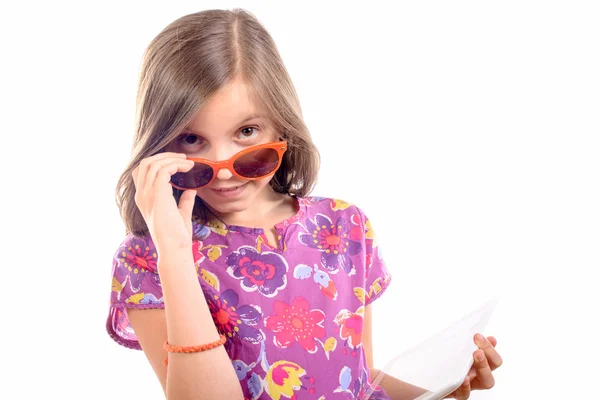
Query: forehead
point(232, 105)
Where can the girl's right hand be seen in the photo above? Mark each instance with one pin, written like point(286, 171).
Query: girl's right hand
point(169, 223)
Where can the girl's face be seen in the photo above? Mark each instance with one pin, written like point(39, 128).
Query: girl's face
point(228, 123)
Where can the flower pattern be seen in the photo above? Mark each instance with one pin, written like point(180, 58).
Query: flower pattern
point(283, 378)
point(139, 259)
point(264, 271)
point(293, 312)
point(333, 241)
point(351, 326)
point(232, 320)
point(359, 386)
point(296, 323)
point(326, 284)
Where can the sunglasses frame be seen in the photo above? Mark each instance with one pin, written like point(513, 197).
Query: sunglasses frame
point(216, 166)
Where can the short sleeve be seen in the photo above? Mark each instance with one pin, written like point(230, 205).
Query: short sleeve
point(135, 284)
point(377, 276)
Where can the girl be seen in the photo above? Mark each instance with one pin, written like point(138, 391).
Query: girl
point(235, 283)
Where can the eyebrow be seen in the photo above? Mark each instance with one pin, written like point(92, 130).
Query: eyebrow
point(242, 122)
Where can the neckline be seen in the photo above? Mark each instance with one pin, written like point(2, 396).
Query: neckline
point(300, 203)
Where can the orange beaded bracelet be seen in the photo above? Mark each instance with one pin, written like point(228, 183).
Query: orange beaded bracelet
point(192, 349)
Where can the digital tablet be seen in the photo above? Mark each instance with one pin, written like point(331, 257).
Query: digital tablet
point(440, 363)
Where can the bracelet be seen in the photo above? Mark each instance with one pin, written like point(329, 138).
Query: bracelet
point(192, 349)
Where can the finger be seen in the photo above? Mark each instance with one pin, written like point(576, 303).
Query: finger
point(144, 178)
point(493, 357)
point(485, 379)
point(464, 391)
point(146, 163)
point(160, 156)
point(164, 172)
point(186, 204)
point(161, 170)
point(472, 374)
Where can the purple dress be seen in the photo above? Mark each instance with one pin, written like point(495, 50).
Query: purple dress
point(292, 315)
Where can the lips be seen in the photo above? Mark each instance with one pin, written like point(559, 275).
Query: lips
point(228, 189)
point(229, 192)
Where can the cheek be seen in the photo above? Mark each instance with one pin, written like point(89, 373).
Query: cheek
point(255, 186)
point(172, 147)
point(202, 193)
point(262, 183)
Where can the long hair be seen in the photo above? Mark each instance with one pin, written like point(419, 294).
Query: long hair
point(187, 63)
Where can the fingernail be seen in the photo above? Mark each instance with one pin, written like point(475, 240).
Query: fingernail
point(480, 338)
point(479, 356)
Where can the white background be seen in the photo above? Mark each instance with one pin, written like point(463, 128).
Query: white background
point(467, 131)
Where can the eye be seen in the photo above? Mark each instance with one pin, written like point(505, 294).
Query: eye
point(248, 132)
point(189, 140)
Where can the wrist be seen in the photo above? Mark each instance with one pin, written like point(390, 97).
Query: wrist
point(174, 254)
point(170, 243)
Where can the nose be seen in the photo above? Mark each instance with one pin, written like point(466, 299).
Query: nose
point(224, 174)
point(222, 153)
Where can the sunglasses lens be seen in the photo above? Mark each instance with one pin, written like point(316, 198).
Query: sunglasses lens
point(198, 176)
point(257, 164)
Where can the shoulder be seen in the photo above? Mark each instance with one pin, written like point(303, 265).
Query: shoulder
point(135, 240)
point(334, 208)
point(135, 284)
point(135, 279)
point(137, 253)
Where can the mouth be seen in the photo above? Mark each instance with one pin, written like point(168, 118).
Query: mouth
point(230, 191)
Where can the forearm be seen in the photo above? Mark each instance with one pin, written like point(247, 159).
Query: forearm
point(397, 389)
point(206, 374)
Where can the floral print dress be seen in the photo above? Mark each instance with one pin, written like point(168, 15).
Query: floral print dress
point(292, 315)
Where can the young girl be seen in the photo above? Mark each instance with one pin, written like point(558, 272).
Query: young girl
point(232, 280)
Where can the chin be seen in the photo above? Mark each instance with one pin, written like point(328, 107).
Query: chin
point(229, 208)
point(225, 205)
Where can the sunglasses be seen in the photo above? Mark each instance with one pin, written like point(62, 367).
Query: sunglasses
point(252, 163)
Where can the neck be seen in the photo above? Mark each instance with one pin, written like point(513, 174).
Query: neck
point(265, 205)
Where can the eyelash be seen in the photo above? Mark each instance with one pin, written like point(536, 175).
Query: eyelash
point(185, 135)
point(255, 128)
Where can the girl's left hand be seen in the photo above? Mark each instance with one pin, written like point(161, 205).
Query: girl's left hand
point(485, 360)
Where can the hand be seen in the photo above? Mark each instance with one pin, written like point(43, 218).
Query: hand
point(170, 224)
point(485, 360)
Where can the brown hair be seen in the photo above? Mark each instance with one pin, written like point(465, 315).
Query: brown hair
point(187, 63)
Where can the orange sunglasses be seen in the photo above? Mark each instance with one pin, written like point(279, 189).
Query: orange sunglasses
point(252, 163)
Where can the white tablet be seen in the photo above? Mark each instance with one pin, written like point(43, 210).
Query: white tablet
point(440, 363)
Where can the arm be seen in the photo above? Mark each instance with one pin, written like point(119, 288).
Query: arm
point(395, 388)
point(185, 321)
